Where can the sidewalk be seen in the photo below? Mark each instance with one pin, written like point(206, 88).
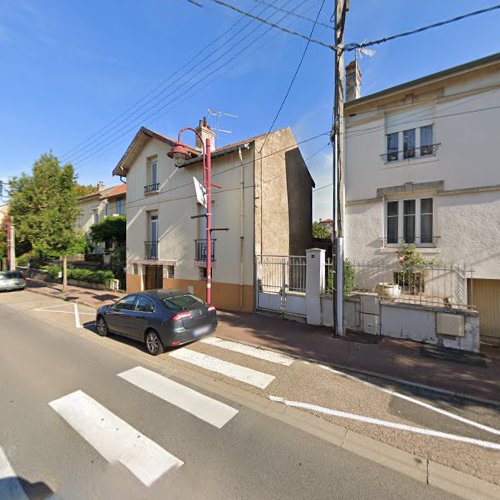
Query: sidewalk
point(472, 375)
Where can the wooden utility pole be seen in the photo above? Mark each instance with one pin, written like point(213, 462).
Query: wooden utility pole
point(337, 140)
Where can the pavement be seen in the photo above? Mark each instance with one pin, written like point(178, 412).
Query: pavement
point(475, 376)
point(408, 429)
point(90, 417)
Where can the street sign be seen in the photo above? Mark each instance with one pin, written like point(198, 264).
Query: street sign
point(201, 192)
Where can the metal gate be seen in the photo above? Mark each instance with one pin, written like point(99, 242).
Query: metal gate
point(281, 283)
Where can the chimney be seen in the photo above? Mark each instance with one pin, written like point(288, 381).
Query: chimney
point(100, 186)
point(352, 81)
point(204, 129)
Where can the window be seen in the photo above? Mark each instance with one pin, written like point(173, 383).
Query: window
point(170, 272)
point(120, 206)
point(95, 216)
point(126, 304)
point(152, 174)
point(409, 143)
point(135, 268)
point(410, 221)
point(392, 147)
point(144, 304)
point(203, 273)
point(183, 302)
point(106, 209)
point(426, 147)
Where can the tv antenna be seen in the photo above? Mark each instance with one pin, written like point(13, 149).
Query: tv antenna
point(218, 129)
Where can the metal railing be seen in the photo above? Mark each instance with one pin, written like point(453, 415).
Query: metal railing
point(151, 250)
point(433, 285)
point(419, 241)
point(151, 188)
point(329, 277)
point(201, 250)
point(411, 153)
point(282, 274)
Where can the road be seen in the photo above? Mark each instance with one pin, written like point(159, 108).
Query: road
point(86, 417)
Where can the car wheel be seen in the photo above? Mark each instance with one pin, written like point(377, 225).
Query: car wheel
point(102, 328)
point(154, 344)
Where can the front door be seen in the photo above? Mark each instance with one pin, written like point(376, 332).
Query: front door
point(153, 277)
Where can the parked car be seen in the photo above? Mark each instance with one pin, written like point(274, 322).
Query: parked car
point(159, 318)
point(12, 280)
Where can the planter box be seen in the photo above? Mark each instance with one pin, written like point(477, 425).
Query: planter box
point(390, 290)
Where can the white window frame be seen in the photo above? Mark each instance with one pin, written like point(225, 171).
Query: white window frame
point(152, 179)
point(418, 154)
point(119, 206)
point(95, 216)
point(418, 220)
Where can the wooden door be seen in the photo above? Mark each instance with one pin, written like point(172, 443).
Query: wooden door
point(153, 277)
point(485, 295)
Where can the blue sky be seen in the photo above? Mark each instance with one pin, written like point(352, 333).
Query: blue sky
point(70, 67)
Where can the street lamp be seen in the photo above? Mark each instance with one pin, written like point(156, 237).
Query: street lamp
point(180, 154)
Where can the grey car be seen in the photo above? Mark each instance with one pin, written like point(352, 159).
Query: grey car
point(158, 318)
point(12, 280)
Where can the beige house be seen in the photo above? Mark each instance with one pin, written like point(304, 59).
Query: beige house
point(264, 207)
point(422, 167)
point(96, 206)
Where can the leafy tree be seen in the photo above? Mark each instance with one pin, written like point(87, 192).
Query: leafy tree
point(110, 228)
point(83, 190)
point(43, 206)
point(320, 231)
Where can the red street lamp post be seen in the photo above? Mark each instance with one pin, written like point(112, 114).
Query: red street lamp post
point(180, 154)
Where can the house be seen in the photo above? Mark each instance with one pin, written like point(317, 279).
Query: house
point(327, 223)
point(422, 167)
point(96, 206)
point(264, 207)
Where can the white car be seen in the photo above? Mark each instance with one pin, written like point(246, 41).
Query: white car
point(12, 280)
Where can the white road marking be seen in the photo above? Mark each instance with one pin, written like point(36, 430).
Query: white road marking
point(249, 350)
point(386, 423)
point(210, 410)
point(237, 372)
point(115, 439)
point(10, 486)
point(77, 315)
point(448, 414)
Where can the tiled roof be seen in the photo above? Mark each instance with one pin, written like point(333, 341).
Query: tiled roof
point(115, 191)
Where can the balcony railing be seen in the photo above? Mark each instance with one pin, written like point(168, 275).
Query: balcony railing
point(151, 250)
point(201, 250)
point(411, 153)
point(151, 188)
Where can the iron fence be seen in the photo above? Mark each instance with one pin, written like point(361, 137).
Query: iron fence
point(281, 274)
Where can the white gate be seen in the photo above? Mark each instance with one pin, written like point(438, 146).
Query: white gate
point(281, 284)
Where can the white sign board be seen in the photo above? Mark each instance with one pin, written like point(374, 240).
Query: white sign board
point(201, 192)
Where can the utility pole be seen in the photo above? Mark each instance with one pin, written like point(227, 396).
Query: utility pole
point(337, 140)
point(11, 247)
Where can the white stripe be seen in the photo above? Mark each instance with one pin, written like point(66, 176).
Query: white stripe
point(114, 439)
point(77, 316)
point(210, 410)
point(249, 350)
point(448, 414)
point(10, 487)
point(386, 423)
point(237, 372)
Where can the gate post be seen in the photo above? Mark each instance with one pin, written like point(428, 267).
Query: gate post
point(315, 284)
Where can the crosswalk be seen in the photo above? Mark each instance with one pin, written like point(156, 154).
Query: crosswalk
point(119, 442)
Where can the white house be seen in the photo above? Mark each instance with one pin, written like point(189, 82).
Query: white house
point(422, 167)
point(264, 206)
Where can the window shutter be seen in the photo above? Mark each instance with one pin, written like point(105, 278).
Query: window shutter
point(410, 118)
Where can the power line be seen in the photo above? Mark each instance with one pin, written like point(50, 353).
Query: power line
point(294, 76)
point(318, 152)
point(273, 25)
point(294, 14)
point(354, 46)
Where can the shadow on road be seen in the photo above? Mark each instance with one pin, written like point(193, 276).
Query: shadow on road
point(9, 488)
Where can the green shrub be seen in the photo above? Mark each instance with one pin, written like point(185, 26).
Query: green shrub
point(23, 260)
point(88, 276)
point(349, 279)
point(53, 272)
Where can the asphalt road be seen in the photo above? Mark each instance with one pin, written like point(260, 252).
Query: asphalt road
point(106, 436)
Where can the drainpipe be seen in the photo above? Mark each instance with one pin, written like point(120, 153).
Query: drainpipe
point(242, 222)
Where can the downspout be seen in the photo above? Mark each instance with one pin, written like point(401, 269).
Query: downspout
point(242, 222)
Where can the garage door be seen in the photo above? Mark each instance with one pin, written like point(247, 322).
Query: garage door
point(485, 295)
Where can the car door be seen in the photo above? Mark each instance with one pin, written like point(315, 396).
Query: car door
point(118, 318)
point(140, 318)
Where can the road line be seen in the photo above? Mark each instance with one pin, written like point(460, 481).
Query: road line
point(10, 486)
point(386, 423)
point(428, 406)
point(237, 372)
point(249, 350)
point(77, 315)
point(115, 439)
point(203, 407)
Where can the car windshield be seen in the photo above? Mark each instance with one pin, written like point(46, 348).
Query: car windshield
point(10, 275)
point(183, 302)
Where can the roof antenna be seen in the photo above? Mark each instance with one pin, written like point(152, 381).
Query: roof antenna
point(217, 129)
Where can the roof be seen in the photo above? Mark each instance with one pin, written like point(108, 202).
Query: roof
point(143, 135)
point(440, 75)
point(115, 191)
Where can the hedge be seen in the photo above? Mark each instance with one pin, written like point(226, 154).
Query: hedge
point(103, 277)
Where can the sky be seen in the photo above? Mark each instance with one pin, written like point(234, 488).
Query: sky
point(79, 78)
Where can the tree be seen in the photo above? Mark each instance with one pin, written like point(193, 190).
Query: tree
point(81, 190)
point(43, 206)
point(111, 228)
point(321, 232)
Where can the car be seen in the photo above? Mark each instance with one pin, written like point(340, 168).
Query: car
point(158, 318)
point(12, 280)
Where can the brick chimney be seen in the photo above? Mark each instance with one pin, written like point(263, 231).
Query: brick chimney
point(100, 186)
point(204, 129)
point(352, 81)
